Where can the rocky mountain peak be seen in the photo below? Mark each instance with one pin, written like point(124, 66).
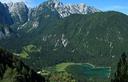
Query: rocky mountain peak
point(19, 12)
point(53, 1)
point(14, 6)
point(68, 9)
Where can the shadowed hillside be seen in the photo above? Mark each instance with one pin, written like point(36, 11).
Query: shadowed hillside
point(14, 70)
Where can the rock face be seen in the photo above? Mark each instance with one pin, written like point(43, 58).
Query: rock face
point(5, 21)
point(68, 9)
point(5, 17)
point(12, 14)
point(19, 12)
point(14, 70)
point(5, 31)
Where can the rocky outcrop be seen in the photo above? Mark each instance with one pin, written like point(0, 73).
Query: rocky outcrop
point(5, 31)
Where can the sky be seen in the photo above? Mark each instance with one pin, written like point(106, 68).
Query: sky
point(104, 5)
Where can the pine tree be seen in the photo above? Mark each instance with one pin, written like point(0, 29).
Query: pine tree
point(121, 74)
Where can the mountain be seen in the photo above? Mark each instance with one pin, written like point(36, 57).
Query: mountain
point(53, 9)
point(67, 9)
point(47, 38)
point(54, 33)
point(84, 38)
point(76, 38)
point(18, 15)
point(14, 70)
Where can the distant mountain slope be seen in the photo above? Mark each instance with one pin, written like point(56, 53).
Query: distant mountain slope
point(14, 70)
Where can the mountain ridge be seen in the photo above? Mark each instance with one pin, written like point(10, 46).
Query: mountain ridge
point(17, 14)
